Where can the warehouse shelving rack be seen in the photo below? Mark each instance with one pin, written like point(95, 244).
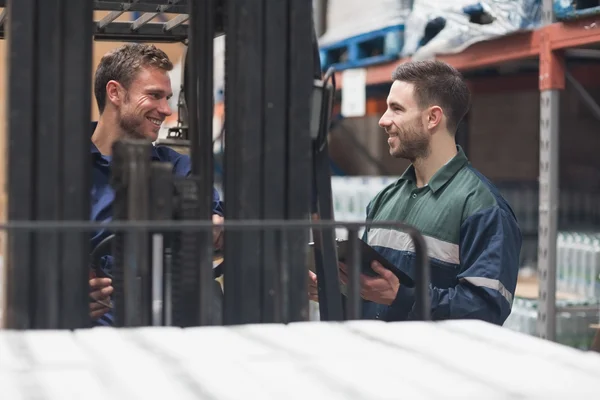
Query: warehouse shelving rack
point(551, 45)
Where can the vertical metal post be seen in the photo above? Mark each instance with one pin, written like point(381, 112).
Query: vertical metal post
point(331, 304)
point(243, 151)
point(275, 275)
point(119, 183)
point(161, 209)
point(552, 80)
point(20, 179)
point(186, 250)
point(353, 304)
point(232, 163)
point(422, 278)
point(137, 274)
point(299, 149)
point(48, 144)
point(200, 107)
point(267, 154)
point(548, 213)
point(76, 168)
point(330, 298)
point(132, 274)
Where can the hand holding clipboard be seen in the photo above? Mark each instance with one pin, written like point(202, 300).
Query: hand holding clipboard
point(368, 256)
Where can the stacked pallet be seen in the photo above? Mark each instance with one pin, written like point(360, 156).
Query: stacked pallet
point(565, 10)
point(361, 33)
point(353, 360)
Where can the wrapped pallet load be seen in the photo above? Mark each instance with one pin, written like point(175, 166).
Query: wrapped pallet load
point(360, 33)
point(450, 26)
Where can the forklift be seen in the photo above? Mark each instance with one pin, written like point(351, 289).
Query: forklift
point(277, 182)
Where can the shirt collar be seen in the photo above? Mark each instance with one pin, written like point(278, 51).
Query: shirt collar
point(94, 150)
point(443, 175)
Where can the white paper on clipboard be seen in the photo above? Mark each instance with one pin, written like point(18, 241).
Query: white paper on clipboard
point(354, 93)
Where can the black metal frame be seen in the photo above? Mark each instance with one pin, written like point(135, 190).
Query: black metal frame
point(75, 178)
point(143, 28)
point(243, 151)
point(48, 53)
point(48, 174)
point(200, 102)
point(131, 174)
point(299, 148)
point(277, 118)
point(21, 117)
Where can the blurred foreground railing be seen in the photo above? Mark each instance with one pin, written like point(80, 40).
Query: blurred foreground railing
point(161, 278)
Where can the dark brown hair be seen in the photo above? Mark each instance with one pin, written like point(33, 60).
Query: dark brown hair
point(123, 64)
point(437, 83)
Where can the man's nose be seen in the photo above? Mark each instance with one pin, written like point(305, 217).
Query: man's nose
point(384, 121)
point(165, 108)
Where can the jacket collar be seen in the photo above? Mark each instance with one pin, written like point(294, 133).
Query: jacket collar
point(443, 175)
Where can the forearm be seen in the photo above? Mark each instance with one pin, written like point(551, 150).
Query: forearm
point(467, 302)
point(460, 302)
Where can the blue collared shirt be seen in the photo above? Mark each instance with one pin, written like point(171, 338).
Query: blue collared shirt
point(102, 195)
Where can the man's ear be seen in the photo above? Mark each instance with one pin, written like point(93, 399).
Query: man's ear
point(114, 92)
point(434, 116)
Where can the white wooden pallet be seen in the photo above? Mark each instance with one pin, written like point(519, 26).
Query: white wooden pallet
point(350, 360)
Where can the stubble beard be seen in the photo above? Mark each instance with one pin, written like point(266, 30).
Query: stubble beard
point(131, 124)
point(414, 144)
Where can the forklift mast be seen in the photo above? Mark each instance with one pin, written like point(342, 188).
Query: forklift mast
point(277, 109)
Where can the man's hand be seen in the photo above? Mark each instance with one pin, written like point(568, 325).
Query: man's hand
point(381, 289)
point(100, 291)
point(313, 292)
point(217, 231)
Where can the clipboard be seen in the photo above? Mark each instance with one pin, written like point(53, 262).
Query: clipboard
point(368, 255)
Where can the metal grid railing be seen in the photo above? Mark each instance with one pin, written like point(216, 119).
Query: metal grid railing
point(150, 254)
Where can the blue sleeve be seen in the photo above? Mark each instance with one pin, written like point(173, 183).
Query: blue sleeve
point(490, 244)
point(182, 166)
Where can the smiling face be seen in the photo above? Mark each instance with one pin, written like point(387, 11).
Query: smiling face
point(145, 105)
point(132, 85)
point(404, 123)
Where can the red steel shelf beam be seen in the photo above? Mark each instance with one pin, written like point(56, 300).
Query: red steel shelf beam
point(542, 43)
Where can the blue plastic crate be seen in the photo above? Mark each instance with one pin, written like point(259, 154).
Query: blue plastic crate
point(573, 9)
point(376, 47)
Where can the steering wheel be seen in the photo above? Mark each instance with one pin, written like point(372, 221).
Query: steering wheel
point(102, 249)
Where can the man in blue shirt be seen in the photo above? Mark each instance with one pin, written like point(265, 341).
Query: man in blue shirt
point(132, 88)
